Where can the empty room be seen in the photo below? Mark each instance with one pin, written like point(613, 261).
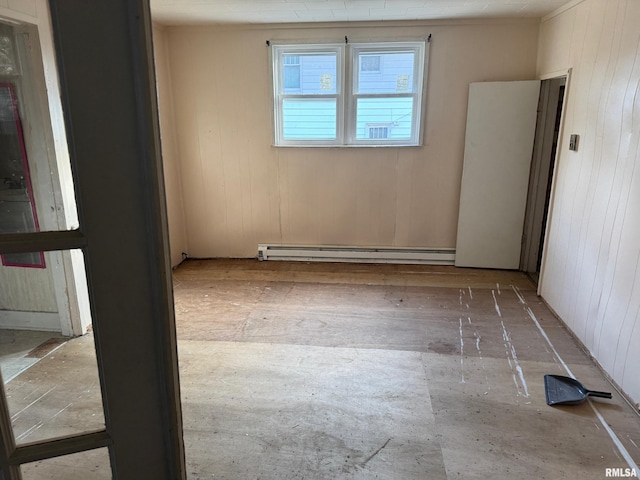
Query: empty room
point(319, 239)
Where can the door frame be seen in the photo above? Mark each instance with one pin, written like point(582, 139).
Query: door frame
point(562, 138)
point(542, 167)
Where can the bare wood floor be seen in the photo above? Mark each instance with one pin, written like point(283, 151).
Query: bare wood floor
point(351, 371)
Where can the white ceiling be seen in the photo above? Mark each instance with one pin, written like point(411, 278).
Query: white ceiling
point(176, 12)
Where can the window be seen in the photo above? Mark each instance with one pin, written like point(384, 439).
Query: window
point(291, 71)
point(18, 212)
point(309, 99)
point(378, 132)
point(370, 63)
point(364, 94)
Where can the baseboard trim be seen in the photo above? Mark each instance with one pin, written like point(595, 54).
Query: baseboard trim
point(18, 320)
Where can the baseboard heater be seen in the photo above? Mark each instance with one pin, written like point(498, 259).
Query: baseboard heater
point(323, 253)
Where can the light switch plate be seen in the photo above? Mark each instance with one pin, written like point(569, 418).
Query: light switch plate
point(573, 142)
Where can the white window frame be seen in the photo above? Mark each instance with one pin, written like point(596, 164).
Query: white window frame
point(284, 76)
point(280, 95)
point(347, 94)
point(416, 91)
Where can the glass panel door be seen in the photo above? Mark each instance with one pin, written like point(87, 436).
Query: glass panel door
point(17, 207)
point(51, 386)
point(107, 92)
point(51, 381)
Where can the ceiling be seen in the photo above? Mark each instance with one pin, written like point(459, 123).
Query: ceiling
point(220, 12)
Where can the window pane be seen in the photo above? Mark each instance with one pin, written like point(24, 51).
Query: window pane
point(291, 78)
point(379, 132)
point(391, 116)
point(370, 63)
point(89, 465)
point(27, 260)
point(59, 394)
point(309, 119)
point(386, 72)
point(317, 73)
point(17, 203)
point(50, 380)
point(291, 59)
point(36, 191)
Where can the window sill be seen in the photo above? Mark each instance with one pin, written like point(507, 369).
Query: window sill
point(404, 145)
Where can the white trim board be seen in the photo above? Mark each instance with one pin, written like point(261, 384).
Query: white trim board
point(45, 321)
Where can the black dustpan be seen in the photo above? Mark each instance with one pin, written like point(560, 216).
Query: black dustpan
point(567, 391)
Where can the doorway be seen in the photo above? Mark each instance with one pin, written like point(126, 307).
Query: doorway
point(540, 180)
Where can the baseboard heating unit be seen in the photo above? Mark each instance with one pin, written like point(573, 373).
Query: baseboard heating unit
point(312, 253)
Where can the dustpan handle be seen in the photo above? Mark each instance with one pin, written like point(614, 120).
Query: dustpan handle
point(599, 394)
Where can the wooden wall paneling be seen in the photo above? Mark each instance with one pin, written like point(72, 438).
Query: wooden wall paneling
point(255, 193)
point(299, 196)
point(170, 159)
point(591, 270)
point(194, 184)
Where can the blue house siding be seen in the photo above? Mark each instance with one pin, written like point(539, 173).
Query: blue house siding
point(317, 75)
point(309, 119)
point(395, 74)
point(394, 113)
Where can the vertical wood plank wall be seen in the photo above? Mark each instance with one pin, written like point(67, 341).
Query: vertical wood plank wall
point(170, 159)
point(591, 272)
point(239, 191)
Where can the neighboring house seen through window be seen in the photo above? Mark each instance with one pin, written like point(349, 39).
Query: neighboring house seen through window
point(348, 95)
point(378, 132)
point(291, 72)
point(370, 63)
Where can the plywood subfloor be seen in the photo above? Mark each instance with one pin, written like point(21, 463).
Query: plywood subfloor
point(21, 349)
point(298, 370)
point(350, 371)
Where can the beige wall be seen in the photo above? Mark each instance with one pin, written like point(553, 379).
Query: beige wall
point(591, 275)
point(172, 176)
point(239, 191)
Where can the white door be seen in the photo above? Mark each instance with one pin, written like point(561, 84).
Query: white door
point(501, 122)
